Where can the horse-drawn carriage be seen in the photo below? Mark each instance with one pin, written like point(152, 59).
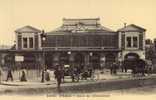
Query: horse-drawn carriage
point(76, 73)
point(136, 65)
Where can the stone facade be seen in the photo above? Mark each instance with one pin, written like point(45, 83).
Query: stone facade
point(79, 42)
point(133, 41)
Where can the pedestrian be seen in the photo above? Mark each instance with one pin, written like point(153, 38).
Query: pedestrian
point(77, 73)
point(72, 70)
point(42, 76)
point(58, 77)
point(115, 66)
point(9, 75)
point(23, 77)
point(111, 69)
point(91, 73)
point(47, 76)
point(63, 73)
point(142, 66)
point(85, 74)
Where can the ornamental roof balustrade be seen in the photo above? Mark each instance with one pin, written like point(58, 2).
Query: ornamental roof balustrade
point(87, 21)
point(81, 25)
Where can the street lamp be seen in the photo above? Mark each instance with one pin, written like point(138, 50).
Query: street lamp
point(43, 38)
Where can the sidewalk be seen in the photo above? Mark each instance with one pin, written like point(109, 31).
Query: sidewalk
point(106, 76)
point(105, 82)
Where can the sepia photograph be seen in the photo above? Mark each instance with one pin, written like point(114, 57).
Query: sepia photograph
point(90, 49)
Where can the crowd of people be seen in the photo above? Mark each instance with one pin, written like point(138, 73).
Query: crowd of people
point(76, 73)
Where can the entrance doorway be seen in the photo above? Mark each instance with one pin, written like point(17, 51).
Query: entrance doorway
point(131, 56)
point(95, 60)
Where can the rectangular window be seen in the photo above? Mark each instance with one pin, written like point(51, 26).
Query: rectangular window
point(25, 43)
point(128, 41)
point(31, 43)
point(135, 42)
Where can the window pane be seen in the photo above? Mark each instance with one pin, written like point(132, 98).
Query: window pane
point(31, 42)
point(75, 41)
point(135, 42)
point(128, 41)
point(83, 40)
point(25, 44)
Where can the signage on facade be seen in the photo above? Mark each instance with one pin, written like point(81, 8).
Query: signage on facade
point(19, 58)
point(66, 65)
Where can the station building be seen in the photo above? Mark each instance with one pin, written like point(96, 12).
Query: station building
point(77, 42)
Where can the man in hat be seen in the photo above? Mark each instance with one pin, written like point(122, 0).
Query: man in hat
point(58, 76)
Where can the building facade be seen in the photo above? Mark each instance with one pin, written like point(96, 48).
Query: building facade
point(79, 42)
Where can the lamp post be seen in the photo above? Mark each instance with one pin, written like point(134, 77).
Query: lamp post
point(43, 67)
point(43, 38)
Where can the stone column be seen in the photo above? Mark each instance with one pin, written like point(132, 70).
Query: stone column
point(87, 59)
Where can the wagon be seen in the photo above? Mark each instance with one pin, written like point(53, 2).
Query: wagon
point(71, 72)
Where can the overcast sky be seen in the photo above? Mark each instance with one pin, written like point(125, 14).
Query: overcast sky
point(48, 14)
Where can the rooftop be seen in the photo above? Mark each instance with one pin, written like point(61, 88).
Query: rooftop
point(27, 29)
point(132, 27)
point(81, 25)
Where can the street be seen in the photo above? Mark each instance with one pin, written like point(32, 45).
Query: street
point(106, 85)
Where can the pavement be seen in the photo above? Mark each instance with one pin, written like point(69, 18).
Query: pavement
point(102, 82)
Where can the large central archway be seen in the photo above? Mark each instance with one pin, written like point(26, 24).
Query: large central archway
point(131, 56)
point(130, 60)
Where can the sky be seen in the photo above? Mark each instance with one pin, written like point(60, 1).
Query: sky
point(48, 14)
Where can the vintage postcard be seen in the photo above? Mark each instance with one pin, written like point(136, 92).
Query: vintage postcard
point(77, 49)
